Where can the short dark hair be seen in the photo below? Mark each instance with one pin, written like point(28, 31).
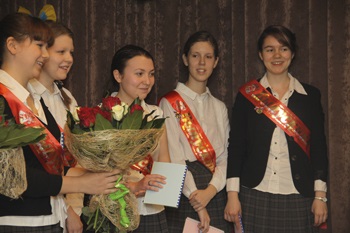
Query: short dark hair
point(201, 36)
point(282, 34)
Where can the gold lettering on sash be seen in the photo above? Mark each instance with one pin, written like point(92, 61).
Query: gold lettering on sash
point(199, 143)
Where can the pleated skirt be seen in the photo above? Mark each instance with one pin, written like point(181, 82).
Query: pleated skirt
point(264, 212)
point(176, 216)
point(154, 223)
point(43, 229)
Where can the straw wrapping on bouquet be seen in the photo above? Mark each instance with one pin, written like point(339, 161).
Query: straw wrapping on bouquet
point(13, 180)
point(105, 150)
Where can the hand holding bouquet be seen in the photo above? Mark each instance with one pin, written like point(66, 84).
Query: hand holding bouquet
point(113, 136)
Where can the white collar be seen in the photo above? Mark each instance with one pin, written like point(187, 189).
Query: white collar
point(17, 89)
point(294, 84)
point(187, 91)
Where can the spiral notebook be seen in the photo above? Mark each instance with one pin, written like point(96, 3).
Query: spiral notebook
point(170, 194)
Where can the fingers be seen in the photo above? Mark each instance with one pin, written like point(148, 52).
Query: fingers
point(154, 182)
point(199, 200)
point(320, 211)
point(198, 207)
point(153, 185)
point(116, 171)
point(140, 193)
point(232, 218)
point(192, 195)
point(229, 217)
point(157, 178)
point(319, 219)
point(110, 184)
point(194, 201)
point(204, 225)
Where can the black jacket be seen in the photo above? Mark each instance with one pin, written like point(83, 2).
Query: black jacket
point(250, 140)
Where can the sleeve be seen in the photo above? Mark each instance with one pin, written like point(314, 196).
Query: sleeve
point(237, 143)
point(75, 200)
point(177, 153)
point(318, 146)
point(40, 183)
point(219, 176)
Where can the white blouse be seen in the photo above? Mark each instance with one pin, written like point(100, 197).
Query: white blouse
point(54, 101)
point(211, 114)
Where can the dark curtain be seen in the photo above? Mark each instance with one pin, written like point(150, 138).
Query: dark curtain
point(322, 28)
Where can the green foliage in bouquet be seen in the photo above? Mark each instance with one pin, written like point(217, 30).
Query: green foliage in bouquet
point(14, 135)
point(112, 114)
point(97, 221)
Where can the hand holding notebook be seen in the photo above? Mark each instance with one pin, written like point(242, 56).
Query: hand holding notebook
point(170, 194)
point(239, 227)
point(191, 225)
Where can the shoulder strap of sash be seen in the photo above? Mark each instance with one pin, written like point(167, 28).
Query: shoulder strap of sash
point(48, 151)
point(200, 144)
point(278, 113)
point(68, 158)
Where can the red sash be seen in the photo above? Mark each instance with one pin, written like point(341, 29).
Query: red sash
point(144, 166)
point(278, 113)
point(200, 144)
point(48, 151)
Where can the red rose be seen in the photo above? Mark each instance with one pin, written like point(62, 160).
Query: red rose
point(105, 114)
point(135, 107)
point(87, 117)
point(110, 101)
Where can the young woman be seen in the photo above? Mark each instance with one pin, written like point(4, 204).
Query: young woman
point(58, 100)
point(23, 43)
point(277, 164)
point(192, 108)
point(133, 70)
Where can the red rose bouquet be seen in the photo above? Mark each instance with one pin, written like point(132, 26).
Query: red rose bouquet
point(111, 136)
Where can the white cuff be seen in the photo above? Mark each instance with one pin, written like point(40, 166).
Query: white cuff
point(320, 185)
point(232, 184)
